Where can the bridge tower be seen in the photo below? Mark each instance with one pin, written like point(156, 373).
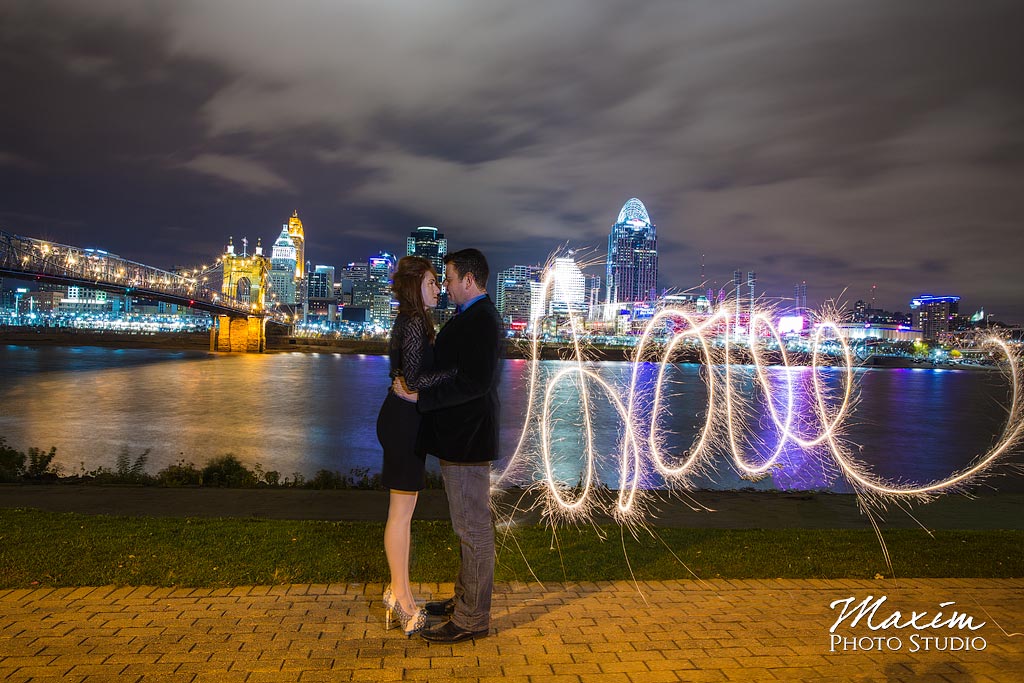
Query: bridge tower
point(245, 279)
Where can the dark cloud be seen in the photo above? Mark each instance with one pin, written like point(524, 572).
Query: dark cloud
point(845, 144)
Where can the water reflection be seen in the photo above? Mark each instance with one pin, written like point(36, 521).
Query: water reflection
point(296, 412)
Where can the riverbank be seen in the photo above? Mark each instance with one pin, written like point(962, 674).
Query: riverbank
point(69, 336)
point(515, 349)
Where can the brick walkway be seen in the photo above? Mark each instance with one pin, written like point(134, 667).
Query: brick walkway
point(755, 630)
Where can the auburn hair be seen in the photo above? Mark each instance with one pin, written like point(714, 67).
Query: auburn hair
point(407, 286)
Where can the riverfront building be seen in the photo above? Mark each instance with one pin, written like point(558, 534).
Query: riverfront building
point(935, 315)
point(569, 293)
point(632, 266)
point(513, 294)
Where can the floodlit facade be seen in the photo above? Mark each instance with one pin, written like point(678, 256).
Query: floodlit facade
point(282, 268)
point(298, 235)
point(513, 294)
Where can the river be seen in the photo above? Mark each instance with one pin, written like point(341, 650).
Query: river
point(302, 412)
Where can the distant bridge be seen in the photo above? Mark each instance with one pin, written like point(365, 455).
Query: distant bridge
point(34, 259)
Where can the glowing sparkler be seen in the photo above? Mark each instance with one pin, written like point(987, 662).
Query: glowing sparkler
point(642, 446)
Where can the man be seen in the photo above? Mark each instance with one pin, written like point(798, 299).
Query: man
point(461, 429)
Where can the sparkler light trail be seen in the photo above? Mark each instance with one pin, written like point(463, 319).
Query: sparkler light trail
point(643, 447)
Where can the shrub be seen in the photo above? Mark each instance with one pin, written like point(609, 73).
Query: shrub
point(228, 471)
point(13, 465)
point(362, 479)
point(39, 464)
point(179, 474)
point(326, 479)
point(12, 462)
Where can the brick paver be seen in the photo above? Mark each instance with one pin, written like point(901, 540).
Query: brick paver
point(763, 630)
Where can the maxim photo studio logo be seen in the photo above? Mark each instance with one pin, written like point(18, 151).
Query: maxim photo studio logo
point(944, 630)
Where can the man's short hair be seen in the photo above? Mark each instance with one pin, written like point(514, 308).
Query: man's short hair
point(468, 261)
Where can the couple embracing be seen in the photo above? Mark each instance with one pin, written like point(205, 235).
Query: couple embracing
point(443, 401)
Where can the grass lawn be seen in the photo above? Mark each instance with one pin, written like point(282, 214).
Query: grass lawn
point(64, 549)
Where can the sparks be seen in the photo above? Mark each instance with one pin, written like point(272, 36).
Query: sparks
point(722, 345)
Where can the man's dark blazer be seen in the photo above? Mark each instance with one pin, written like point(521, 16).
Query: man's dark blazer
point(461, 415)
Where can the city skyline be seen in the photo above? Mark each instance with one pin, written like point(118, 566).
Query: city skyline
point(885, 151)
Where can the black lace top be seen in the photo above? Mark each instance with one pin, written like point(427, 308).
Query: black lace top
point(411, 355)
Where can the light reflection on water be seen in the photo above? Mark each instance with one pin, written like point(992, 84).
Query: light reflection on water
point(297, 412)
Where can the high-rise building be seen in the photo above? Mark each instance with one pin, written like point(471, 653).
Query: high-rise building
point(6, 297)
point(632, 265)
point(592, 287)
point(860, 311)
point(380, 269)
point(737, 285)
point(321, 283)
point(513, 294)
point(355, 285)
point(751, 282)
point(800, 298)
point(282, 269)
point(935, 315)
point(298, 235)
point(569, 293)
point(428, 243)
point(320, 301)
point(431, 245)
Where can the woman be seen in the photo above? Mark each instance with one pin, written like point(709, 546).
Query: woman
point(416, 288)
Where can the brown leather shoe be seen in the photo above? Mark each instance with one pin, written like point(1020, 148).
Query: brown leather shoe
point(450, 633)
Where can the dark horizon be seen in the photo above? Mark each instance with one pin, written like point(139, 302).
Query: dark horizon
point(841, 145)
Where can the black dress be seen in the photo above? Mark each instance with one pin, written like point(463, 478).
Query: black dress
point(398, 423)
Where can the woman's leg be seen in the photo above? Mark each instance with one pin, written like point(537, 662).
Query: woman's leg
point(397, 538)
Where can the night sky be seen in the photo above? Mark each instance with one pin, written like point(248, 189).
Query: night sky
point(842, 143)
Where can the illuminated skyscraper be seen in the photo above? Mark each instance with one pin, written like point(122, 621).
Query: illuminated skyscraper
point(380, 270)
point(282, 268)
point(800, 299)
point(430, 244)
point(737, 283)
point(355, 285)
point(321, 283)
point(321, 302)
point(569, 293)
point(632, 266)
point(298, 235)
point(592, 287)
point(751, 282)
point(934, 315)
point(513, 294)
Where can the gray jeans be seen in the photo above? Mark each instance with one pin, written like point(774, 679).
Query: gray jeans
point(468, 488)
